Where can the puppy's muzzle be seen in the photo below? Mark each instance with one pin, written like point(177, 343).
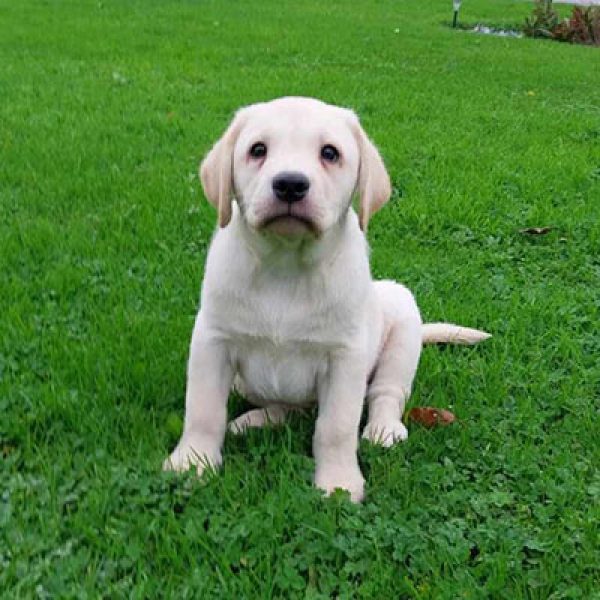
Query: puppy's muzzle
point(290, 186)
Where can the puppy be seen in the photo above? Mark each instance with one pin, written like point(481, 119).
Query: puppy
point(290, 313)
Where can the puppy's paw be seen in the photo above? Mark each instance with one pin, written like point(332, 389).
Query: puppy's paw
point(258, 417)
point(385, 434)
point(193, 453)
point(351, 480)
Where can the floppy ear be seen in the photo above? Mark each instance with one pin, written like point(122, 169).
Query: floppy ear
point(216, 171)
point(374, 187)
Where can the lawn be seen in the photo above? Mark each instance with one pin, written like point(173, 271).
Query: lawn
point(106, 107)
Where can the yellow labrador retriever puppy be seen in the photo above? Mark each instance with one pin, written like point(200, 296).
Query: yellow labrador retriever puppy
point(290, 314)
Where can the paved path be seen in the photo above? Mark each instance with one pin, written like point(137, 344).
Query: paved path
point(579, 2)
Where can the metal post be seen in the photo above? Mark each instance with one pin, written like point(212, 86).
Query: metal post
point(456, 6)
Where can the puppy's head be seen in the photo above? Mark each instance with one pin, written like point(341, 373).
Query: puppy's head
point(293, 165)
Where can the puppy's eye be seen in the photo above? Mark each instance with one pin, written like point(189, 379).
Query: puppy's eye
point(330, 153)
point(258, 150)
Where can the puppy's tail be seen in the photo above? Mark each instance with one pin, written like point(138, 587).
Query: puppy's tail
point(447, 333)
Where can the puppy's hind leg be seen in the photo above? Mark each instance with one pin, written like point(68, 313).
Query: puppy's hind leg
point(391, 384)
point(259, 417)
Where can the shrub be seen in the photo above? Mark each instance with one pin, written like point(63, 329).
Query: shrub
point(543, 21)
point(583, 27)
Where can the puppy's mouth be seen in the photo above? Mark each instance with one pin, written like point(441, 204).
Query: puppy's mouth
point(290, 224)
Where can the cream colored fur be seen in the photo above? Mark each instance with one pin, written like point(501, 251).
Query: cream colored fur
point(290, 314)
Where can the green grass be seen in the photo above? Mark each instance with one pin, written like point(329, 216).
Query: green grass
point(105, 110)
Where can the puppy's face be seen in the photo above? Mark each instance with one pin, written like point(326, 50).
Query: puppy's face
point(293, 165)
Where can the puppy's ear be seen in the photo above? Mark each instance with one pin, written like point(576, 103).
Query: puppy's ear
point(374, 187)
point(216, 170)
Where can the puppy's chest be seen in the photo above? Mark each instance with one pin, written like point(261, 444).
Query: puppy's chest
point(278, 373)
point(286, 317)
point(279, 341)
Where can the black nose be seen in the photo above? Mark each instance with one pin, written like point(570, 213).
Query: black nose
point(290, 186)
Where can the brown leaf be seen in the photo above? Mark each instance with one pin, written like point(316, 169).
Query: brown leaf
point(7, 449)
point(536, 230)
point(430, 417)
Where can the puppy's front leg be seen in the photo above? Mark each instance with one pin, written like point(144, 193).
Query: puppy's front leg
point(396, 367)
point(210, 377)
point(335, 442)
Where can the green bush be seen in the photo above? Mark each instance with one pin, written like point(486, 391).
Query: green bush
point(583, 27)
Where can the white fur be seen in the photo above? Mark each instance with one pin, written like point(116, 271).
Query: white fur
point(289, 313)
point(434, 333)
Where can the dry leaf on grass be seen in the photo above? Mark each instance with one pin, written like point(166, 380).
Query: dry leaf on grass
point(430, 417)
point(536, 230)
